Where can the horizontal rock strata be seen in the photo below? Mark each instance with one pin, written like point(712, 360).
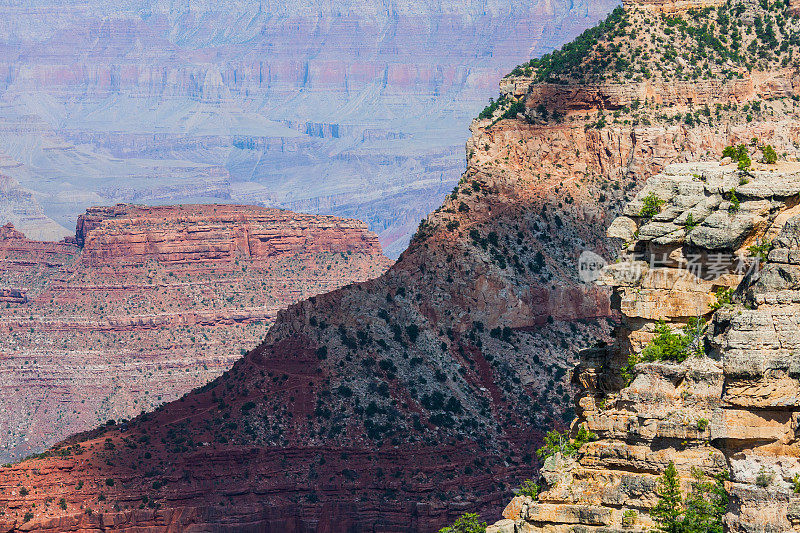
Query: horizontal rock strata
point(733, 409)
point(146, 303)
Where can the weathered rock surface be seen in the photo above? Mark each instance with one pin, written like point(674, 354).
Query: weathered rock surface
point(733, 409)
point(150, 303)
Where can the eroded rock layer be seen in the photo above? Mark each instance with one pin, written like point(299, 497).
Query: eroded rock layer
point(461, 351)
point(150, 303)
point(731, 409)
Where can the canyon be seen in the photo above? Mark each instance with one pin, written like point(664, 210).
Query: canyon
point(402, 402)
point(353, 108)
point(143, 304)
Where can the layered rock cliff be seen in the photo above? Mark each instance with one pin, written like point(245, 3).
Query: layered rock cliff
point(730, 406)
point(147, 303)
point(401, 402)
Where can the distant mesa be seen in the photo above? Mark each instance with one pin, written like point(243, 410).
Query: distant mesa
point(186, 233)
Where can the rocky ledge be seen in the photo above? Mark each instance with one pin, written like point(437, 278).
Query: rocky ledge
point(708, 241)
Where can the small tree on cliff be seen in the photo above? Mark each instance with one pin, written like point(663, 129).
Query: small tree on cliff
point(706, 504)
point(667, 512)
point(467, 523)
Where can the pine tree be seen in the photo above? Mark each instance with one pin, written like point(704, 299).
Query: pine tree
point(706, 504)
point(669, 509)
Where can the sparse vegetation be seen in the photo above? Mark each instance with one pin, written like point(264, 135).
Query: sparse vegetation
point(557, 442)
point(724, 298)
point(629, 518)
point(529, 488)
point(668, 345)
point(651, 206)
point(735, 203)
point(466, 523)
point(760, 250)
point(764, 478)
point(769, 154)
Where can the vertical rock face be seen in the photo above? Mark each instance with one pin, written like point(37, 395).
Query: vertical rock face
point(730, 409)
point(150, 303)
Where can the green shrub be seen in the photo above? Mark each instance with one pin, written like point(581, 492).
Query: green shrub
point(764, 478)
point(467, 523)
point(490, 109)
point(770, 156)
point(724, 298)
point(555, 442)
point(28, 517)
point(666, 345)
point(740, 155)
point(63, 504)
point(736, 204)
point(514, 109)
point(629, 518)
point(690, 223)
point(529, 488)
point(702, 424)
point(760, 250)
point(651, 206)
point(744, 163)
point(796, 484)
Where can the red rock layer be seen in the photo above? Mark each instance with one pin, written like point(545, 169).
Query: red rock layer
point(158, 301)
point(186, 233)
point(460, 352)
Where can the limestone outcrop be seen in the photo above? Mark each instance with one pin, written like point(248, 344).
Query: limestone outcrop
point(729, 407)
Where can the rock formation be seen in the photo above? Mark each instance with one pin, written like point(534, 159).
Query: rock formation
point(399, 403)
point(728, 408)
point(147, 303)
point(20, 208)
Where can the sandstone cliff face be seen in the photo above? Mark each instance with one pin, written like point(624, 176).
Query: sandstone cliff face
point(730, 409)
point(150, 303)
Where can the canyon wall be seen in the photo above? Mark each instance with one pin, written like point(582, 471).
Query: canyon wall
point(146, 303)
point(402, 402)
point(357, 109)
point(728, 408)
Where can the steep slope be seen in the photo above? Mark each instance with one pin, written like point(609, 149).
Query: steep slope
point(729, 406)
point(150, 303)
point(398, 403)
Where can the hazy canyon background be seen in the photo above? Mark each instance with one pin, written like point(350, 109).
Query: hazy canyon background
point(357, 108)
